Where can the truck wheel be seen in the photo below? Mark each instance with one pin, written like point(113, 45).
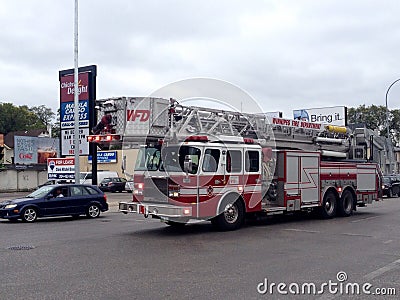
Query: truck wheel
point(328, 209)
point(231, 218)
point(346, 204)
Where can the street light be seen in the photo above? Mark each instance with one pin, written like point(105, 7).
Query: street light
point(387, 121)
point(387, 109)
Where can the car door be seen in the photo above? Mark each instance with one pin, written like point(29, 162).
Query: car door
point(79, 199)
point(54, 205)
point(120, 185)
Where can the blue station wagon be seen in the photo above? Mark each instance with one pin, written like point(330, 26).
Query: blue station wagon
point(56, 200)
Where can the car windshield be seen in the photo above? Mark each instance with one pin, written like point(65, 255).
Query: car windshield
point(41, 192)
point(386, 179)
point(174, 158)
point(105, 180)
point(148, 159)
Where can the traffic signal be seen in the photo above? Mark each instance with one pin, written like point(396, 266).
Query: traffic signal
point(104, 138)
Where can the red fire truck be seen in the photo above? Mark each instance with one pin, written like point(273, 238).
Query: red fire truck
point(199, 163)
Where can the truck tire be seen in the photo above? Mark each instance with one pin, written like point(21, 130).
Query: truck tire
point(345, 205)
point(231, 218)
point(329, 205)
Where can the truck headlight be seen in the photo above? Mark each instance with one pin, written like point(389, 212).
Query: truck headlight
point(8, 206)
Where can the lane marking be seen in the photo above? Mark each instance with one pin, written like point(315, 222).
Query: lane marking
point(364, 219)
point(388, 241)
point(302, 230)
point(355, 234)
point(378, 272)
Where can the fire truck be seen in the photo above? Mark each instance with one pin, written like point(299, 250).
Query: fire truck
point(197, 163)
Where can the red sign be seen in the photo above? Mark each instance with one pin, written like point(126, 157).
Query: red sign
point(142, 114)
point(67, 87)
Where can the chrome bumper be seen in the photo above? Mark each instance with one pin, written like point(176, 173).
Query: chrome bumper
point(156, 210)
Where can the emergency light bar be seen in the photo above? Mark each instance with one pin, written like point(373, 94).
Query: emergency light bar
point(103, 138)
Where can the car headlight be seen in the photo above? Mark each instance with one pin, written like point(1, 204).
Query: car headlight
point(8, 206)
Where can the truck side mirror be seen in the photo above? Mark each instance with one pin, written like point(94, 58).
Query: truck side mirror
point(188, 164)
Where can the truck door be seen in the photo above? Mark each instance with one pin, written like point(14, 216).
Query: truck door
point(302, 178)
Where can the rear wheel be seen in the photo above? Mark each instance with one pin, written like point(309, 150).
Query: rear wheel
point(231, 218)
point(346, 204)
point(328, 209)
point(93, 211)
point(29, 215)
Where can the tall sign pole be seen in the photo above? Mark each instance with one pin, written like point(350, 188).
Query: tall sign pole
point(76, 97)
point(86, 119)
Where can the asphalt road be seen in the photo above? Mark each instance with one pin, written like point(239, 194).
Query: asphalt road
point(128, 257)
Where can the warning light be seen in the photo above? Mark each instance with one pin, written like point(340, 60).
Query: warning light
point(109, 138)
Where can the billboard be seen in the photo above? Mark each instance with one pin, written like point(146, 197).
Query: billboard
point(33, 150)
point(335, 115)
point(87, 118)
point(47, 148)
point(25, 150)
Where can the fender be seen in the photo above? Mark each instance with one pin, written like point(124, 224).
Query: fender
point(330, 188)
point(39, 211)
point(230, 197)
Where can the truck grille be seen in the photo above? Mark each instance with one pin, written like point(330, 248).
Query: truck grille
point(156, 190)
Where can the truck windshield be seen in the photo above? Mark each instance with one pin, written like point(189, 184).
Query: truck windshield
point(174, 157)
point(148, 159)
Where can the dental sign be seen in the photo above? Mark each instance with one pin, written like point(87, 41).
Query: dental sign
point(67, 108)
point(325, 115)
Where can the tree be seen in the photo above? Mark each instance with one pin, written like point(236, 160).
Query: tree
point(13, 118)
point(45, 114)
point(374, 117)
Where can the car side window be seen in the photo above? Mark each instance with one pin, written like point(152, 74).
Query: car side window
point(76, 191)
point(211, 160)
point(252, 161)
point(233, 161)
point(91, 190)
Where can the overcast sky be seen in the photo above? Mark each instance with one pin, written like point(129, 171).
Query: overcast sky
point(286, 54)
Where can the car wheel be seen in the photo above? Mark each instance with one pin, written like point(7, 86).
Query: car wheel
point(328, 209)
point(346, 203)
point(390, 193)
point(29, 215)
point(93, 211)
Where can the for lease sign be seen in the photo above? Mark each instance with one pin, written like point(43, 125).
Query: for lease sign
point(61, 168)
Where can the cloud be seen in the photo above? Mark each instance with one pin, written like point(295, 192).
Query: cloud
point(284, 53)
